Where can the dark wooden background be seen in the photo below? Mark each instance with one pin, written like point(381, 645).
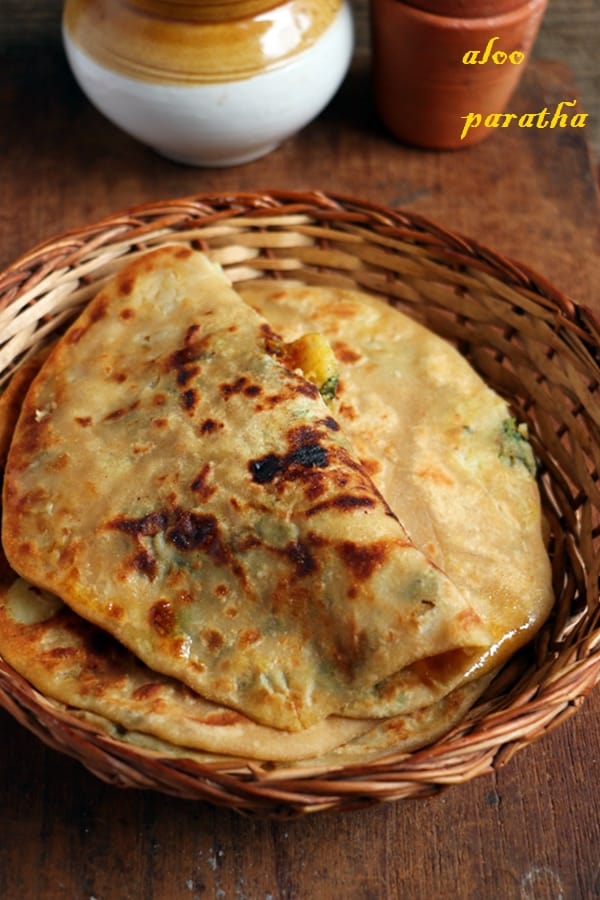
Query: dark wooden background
point(530, 831)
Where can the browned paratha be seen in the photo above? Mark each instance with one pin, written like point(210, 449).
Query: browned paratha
point(84, 670)
point(173, 481)
point(88, 672)
point(446, 454)
point(82, 666)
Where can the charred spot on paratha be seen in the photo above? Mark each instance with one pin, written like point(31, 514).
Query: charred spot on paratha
point(271, 466)
point(210, 426)
point(241, 385)
point(162, 617)
point(363, 559)
point(146, 564)
point(301, 555)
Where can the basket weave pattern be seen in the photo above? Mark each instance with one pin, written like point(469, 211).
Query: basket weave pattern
point(530, 343)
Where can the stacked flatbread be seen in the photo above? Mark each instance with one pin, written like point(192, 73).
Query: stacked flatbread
point(210, 553)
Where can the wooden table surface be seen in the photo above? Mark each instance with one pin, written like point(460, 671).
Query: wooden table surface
point(532, 829)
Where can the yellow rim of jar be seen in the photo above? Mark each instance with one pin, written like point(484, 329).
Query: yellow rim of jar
point(132, 38)
point(202, 10)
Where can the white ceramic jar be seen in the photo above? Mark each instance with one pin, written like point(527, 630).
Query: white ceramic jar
point(209, 83)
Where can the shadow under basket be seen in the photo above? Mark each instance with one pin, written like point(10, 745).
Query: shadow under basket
point(529, 342)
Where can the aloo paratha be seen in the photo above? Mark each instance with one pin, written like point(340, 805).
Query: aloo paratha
point(176, 484)
point(83, 670)
point(447, 455)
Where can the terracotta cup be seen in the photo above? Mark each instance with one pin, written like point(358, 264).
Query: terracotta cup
point(435, 62)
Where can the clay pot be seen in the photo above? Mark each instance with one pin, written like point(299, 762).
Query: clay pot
point(206, 82)
point(424, 90)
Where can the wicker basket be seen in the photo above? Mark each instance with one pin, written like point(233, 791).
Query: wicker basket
point(532, 344)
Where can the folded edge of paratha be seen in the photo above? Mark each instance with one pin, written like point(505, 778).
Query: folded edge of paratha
point(176, 484)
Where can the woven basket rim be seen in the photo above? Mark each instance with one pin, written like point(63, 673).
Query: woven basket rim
point(295, 201)
point(492, 732)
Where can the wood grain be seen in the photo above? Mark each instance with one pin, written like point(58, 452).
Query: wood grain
point(530, 831)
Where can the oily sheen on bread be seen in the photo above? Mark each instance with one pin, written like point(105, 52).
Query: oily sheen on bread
point(211, 557)
point(82, 668)
point(175, 483)
point(85, 670)
point(445, 452)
